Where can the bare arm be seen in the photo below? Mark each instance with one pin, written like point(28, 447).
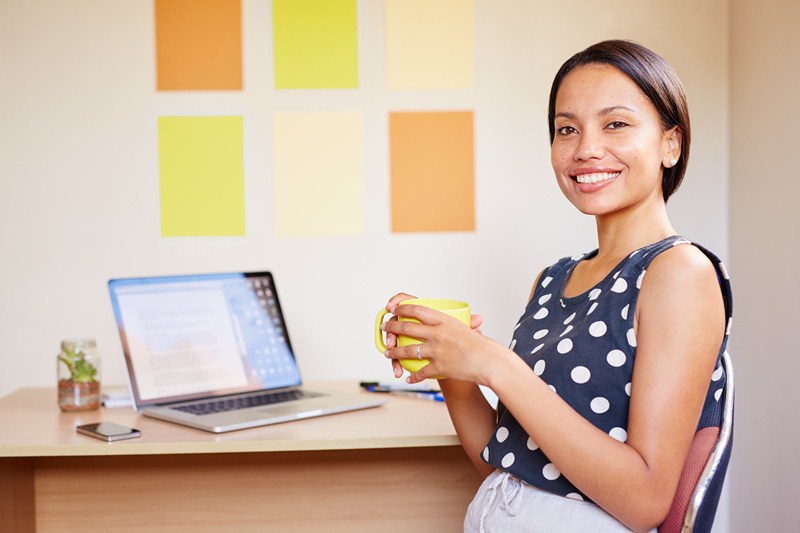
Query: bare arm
point(473, 418)
point(635, 480)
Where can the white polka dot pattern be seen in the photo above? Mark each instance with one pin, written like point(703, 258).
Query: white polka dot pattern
point(600, 405)
point(580, 374)
point(598, 329)
point(620, 286)
point(550, 471)
point(502, 434)
point(619, 433)
point(508, 460)
point(631, 335)
point(616, 358)
point(583, 348)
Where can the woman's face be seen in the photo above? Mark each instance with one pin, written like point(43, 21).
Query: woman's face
point(609, 146)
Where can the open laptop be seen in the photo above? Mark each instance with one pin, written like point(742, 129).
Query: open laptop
point(212, 351)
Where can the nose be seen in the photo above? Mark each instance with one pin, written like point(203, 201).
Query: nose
point(589, 146)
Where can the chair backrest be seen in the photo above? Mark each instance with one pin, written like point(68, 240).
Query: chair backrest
point(700, 486)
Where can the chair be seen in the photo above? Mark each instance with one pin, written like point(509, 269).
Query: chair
point(699, 488)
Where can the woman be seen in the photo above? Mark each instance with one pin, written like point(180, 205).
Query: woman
point(634, 360)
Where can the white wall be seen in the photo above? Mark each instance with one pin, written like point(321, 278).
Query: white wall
point(79, 172)
point(765, 251)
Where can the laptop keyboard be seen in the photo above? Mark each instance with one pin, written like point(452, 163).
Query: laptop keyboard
point(243, 402)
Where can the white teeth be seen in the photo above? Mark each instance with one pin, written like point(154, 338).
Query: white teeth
point(595, 177)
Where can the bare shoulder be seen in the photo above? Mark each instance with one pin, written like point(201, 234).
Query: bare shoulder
point(683, 267)
point(682, 283)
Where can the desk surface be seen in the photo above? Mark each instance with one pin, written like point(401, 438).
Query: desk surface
point(31, 425)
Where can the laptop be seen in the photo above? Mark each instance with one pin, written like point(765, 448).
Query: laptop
point(211, 351)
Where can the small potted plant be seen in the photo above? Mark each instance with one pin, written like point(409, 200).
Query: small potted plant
point(78, 375)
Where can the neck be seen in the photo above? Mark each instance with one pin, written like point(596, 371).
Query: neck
point(618, 234)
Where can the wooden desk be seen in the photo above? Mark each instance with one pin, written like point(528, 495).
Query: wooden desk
point(398, 467)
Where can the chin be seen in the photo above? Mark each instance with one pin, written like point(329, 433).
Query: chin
point(592, 209)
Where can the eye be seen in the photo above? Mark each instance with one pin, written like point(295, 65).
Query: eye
point(566, 130)
point(617, 125)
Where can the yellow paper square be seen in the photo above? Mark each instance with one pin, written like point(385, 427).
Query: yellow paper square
point(201, 176)
point(315, 44)
point(319, 185)
point(430, 44)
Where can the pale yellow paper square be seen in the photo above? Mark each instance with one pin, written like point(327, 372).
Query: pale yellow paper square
point(319, 184)
point(430, 44)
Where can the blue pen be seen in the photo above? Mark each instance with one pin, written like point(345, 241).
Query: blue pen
point(434, 396)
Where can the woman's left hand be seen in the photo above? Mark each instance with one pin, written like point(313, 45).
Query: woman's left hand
point(453, 349)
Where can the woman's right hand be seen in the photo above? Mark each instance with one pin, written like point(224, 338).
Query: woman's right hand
point(391, 339)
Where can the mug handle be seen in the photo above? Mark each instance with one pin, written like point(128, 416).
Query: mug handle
point(379, 343)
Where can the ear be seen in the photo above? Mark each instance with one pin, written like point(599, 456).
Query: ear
point(671, 147)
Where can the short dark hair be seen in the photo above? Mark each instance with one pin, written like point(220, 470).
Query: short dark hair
point(654, 77)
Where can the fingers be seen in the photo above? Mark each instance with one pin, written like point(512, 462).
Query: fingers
point(396, 299)
point(391, 338)
point(425, 315)
point(397, 369)
point(475, 321)
point(416, 377)
point(407, 328)
point(406, 352)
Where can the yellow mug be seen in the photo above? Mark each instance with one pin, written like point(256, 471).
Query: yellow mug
point(454, 308)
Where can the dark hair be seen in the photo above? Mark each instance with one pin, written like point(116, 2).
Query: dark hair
point(654, 77)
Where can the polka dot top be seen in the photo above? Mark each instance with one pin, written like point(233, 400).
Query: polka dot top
point(584, 348)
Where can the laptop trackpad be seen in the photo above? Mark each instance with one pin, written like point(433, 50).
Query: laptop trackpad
point(280, 410)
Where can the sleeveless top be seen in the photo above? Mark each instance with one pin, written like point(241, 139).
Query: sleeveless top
point(584, 348)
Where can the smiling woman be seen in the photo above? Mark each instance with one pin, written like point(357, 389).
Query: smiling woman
point(609, 137)
point(633, 360)
point(658, 83)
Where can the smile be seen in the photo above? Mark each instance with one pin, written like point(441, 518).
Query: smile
point(596, 176)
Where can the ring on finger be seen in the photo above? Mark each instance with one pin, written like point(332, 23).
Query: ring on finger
point(419, 348)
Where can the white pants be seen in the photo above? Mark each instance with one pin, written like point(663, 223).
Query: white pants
point(506, 504)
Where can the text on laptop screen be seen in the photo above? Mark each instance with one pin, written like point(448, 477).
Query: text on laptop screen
point(190, 335)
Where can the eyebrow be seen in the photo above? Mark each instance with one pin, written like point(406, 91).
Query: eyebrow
point(603, 112)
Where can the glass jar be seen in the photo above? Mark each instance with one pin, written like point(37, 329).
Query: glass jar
point(78, 375)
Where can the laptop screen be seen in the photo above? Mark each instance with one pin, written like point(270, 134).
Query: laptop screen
point(187, 337)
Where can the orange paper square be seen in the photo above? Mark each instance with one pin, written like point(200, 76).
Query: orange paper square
point(198, 45)
point(432, 171)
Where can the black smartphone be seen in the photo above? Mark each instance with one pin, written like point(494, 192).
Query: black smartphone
point(109, 431)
